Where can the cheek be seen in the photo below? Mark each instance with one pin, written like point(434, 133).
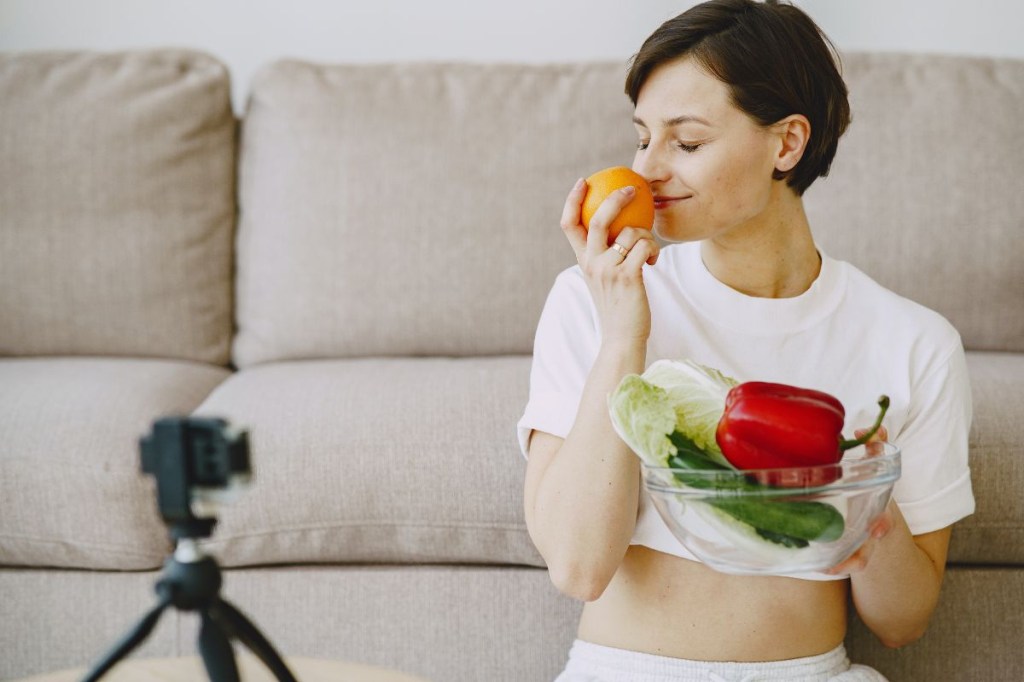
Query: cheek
point(728, 189)
point(740, 186)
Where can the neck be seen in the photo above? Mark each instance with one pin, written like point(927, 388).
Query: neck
point(769, 256)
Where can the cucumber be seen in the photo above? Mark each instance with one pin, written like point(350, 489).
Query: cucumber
point(804, 520)
point(745, 537)
point(787, 523)
point(780, 539)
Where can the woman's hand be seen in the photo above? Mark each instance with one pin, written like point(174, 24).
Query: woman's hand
point(880, 525)
point(613, 274)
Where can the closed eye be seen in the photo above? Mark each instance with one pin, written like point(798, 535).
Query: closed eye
point(688, 148)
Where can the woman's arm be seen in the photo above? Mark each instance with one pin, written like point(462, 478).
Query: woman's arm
point(581, 494)
point(897, 590)
point(896, 576)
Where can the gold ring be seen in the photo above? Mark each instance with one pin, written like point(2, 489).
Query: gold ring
point(621, 249)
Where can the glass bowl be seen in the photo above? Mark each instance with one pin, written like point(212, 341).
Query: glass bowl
point(776, 521)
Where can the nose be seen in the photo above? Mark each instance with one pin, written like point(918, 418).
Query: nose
point(651, 165)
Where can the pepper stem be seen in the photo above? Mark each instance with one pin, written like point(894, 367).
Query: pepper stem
point(845, 445)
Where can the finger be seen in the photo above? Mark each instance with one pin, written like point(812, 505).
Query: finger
point(631, 236)
point(641, 252)
point(865, 553)
point(656, 252)
point(879, 435)
point(881, 525)
point(855, 562)
point(845, 566)
point(616, 253)
point(620, 249)
point(873, 447)
point(597, 231)
point(571, 225)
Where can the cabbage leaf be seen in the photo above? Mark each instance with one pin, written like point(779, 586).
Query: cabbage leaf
point(672, 396)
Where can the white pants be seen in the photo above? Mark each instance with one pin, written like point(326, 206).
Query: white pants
point(594, 663)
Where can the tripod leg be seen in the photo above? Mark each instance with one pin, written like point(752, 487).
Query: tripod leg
point(251, 637)
point(215, 647)
point(132, 639)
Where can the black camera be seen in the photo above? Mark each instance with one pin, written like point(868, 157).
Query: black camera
point(199, 463)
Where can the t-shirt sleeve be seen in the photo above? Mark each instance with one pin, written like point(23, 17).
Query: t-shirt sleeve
point(934, 489)
point(564, 350)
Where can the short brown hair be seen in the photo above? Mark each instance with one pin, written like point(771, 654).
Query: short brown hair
point(776, 62)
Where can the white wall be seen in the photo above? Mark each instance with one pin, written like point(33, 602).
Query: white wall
point(248, 33)
point(973, 27)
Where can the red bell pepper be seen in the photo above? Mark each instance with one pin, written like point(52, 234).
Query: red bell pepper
point(775, 426)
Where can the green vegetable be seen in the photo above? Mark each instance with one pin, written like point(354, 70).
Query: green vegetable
point(671, 396)
point(697, 395)
point(669, 416)
point(644, 418)
point(690, 457)
point(780, 539)
point(803, 520)
point(784, 522)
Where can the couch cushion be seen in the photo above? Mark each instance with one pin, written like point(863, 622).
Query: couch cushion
point(59, 618)
point(994, 534)
point(326, 433)
point(404, 460)
point(924, 194)
point(116, 205)
point(412, 209)
point(71, 490)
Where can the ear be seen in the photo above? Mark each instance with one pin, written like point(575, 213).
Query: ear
point(792, 133)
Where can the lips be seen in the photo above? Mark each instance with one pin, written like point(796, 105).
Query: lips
point(661, 202)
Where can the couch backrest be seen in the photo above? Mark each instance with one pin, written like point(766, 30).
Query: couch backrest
point(116, 205)
point(413, 209)
point(927, 190)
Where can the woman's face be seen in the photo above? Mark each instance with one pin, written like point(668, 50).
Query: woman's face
point(708, 163)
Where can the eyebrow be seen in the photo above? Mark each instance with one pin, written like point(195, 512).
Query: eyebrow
point(668, 123)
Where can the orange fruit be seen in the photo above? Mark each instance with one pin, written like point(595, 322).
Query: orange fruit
point(637, 213)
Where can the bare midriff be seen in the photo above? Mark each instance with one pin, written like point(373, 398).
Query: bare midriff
point(665, 605)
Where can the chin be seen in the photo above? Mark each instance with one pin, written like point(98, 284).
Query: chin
point(668, 230)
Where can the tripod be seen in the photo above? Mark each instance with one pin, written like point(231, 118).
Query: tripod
point(198, 462)
point(191, 581)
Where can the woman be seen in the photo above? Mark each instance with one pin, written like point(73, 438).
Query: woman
point(738, 107)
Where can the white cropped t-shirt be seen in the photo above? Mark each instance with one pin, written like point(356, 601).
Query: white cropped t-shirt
point(846, 335)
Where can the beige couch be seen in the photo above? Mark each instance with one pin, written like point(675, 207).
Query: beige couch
point(354, 271)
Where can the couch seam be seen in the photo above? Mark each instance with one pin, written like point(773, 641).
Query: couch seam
point(76, 543)
point(348, 524)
